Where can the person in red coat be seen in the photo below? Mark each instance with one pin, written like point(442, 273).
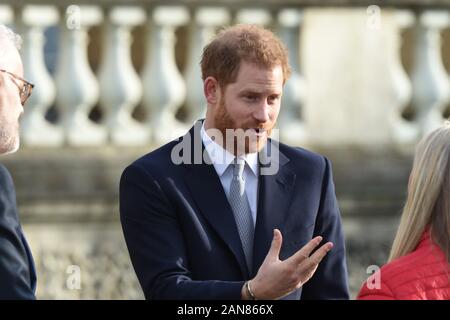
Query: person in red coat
point(418, 267)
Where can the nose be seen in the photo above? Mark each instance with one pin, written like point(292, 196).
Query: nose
point(262, 113)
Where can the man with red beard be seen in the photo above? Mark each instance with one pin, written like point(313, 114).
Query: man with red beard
point(225, 212)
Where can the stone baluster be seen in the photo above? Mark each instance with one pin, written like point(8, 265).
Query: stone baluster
point(6, 14)
point(254, 16)
point(164, 87)
point(290, 120)
point(403, 132)
point(121, 88)
point(77, 87)
point(429, 77)
point(202, 30)
point(35, 129)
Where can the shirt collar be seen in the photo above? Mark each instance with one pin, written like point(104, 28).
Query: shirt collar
point(221, 158)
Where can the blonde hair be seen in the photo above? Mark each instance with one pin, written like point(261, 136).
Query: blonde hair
point(428, 201)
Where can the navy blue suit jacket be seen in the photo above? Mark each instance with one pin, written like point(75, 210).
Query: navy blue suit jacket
point(17, 271)
point(181, 233)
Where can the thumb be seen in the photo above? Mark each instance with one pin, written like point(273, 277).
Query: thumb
point(275, 247)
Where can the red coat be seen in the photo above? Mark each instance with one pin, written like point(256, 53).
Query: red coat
point(423, 274)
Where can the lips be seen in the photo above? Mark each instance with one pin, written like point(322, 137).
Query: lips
point(259, 131)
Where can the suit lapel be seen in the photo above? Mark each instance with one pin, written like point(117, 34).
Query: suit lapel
point(274, 198)
point(207, 192)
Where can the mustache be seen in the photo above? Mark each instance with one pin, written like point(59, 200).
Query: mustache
point(258, 127)
point(262, 126)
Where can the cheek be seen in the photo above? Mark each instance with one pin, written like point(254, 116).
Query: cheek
point(12, 94)
point(14, 105)
point(243, 116)
point(233, 109)
point(275, 112)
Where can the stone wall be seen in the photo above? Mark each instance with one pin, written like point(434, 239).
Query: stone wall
point(68, 203)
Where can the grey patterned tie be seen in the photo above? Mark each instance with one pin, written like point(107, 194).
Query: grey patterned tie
point(241, 209)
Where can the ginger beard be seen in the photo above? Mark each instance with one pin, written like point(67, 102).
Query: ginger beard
point(240, 139)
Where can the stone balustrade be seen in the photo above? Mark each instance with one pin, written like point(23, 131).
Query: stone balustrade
point(348, 86)
point(95, 108)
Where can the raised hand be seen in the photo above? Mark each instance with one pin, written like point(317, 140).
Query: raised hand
point(276, 279)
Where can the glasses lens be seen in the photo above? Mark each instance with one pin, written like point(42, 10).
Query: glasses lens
point(25, 93)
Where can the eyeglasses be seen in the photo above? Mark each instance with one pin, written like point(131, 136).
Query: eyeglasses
point(25, 90)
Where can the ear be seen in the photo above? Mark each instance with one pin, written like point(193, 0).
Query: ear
point(211, 90)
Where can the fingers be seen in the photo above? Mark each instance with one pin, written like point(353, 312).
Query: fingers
point(308, 267)
point(275, 247)
point(306, 250)
point(317, 257)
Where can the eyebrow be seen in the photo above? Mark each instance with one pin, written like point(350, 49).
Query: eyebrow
point(254, 91)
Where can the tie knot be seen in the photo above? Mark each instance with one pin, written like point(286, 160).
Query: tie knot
point(238, 167)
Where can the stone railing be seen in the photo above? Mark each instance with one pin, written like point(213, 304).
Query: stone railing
point(357, 70)
point(348, 87)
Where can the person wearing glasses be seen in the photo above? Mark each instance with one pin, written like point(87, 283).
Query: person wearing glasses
point(17, 271)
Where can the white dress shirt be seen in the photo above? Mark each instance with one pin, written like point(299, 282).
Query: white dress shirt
point(221, 159)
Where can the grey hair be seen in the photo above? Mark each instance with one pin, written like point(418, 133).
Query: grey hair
point(7, 35)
